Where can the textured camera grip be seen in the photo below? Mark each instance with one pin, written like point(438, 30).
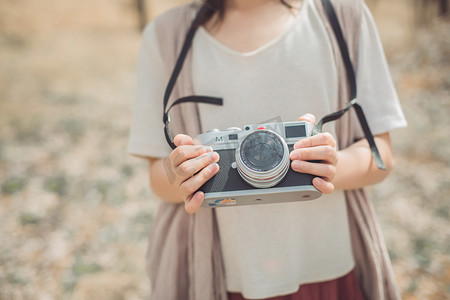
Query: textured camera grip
point(228, 179)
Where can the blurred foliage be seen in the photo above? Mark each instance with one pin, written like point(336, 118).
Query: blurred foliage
point(56, 184)
point(13, 185)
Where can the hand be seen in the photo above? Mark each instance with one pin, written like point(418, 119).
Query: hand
point(192, 165)
point(321, 147)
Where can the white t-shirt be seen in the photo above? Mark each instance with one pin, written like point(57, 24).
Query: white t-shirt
point(271, 250)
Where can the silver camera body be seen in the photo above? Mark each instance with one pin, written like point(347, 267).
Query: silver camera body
point(255, 167)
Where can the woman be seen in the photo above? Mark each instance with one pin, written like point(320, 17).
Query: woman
point(271, 60)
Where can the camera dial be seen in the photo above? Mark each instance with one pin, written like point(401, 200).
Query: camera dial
point(233, 129)
point(262, 158)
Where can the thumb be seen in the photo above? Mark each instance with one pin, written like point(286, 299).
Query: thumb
point(309, 118)
point(182, 139)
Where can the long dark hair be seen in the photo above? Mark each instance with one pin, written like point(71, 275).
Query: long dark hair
point(218, 6)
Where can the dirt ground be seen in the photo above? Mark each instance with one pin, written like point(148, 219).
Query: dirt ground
point(75, 209)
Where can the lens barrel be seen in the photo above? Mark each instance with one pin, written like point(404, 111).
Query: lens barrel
point(262, 158)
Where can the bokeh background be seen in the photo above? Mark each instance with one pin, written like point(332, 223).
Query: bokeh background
point(75, 209)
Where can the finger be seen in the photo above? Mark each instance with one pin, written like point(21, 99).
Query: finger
point(196, 141)
point(326, 171)
point(185, 152)
point(193, 203)
point(309, 118)
point(192, 166)
point(182, 139)
point(323, 153)
point(191, 185)
point(323, 186)
point(321, 139)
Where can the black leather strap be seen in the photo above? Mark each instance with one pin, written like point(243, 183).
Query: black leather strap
point(351, 78)
point(332, 117)
point(335, 25)
point(197, 99)
point(173, 78)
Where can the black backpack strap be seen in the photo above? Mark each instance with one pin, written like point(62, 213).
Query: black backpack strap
point(173, 78)
point(351, 78)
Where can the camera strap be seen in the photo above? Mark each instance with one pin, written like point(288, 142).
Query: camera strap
point(351, 78)
point(173, 78)
point(219, 101)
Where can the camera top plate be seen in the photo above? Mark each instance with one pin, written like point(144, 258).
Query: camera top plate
point(291, 132)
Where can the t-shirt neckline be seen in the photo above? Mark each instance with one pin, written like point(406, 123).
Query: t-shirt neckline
point(261, 48)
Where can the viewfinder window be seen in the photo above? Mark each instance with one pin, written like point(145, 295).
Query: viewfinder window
point(232, 137)
point(297, 131)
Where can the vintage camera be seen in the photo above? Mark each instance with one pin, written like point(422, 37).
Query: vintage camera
point(255, 165)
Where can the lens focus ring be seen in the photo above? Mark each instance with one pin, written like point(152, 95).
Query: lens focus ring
point(262, 158)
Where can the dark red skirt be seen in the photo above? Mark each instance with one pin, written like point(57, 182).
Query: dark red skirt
point(342, 288)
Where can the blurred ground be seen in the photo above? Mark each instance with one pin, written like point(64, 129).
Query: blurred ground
point(75, 210)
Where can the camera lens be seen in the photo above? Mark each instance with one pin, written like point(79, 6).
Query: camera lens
point(261, 151)
point(262, 158)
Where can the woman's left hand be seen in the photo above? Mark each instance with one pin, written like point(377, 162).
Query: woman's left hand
point(321, 148)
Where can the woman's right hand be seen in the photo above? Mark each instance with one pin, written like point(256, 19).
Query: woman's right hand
point(190, 167)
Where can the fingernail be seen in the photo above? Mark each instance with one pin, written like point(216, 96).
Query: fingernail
point(213, 167)
point(317, 181)
point(293, 155)
point(296, 164)
point(214, 156)
point(208, 149)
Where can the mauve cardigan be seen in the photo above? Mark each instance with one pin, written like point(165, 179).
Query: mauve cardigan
point(184, 258)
